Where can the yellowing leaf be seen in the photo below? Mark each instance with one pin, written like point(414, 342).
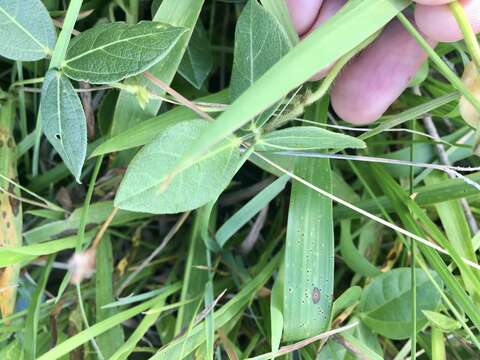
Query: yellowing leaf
point(471, 79)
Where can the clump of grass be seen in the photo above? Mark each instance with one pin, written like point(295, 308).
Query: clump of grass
point(196, 197)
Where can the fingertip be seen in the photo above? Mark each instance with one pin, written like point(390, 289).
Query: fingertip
point(303, 13)
point(373, 80)
point(438, 22)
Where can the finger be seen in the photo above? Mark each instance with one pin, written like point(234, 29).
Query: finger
point(303, 13)
point(372, 81)
point(329, 8)
point(438, 22)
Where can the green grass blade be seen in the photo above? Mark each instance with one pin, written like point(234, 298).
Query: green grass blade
point(112, 339)
point(222, 316)
point(101, 327)
point(31, 323)
point(308, 291)
point(249, 210)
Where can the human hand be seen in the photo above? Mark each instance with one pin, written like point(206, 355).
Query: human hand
point(375, 78)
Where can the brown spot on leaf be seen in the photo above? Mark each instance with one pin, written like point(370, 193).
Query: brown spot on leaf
point(10, 143)
point(4, 214)
point(14, 203)
point(1, 143)
point(316, 295)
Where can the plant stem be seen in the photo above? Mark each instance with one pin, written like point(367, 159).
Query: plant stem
point(438, 344)
point(64, 38)
point(442, 67)
point(86, 205)
point(470, 38)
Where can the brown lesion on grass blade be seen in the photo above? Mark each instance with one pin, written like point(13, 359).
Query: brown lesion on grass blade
point(316, 294)
point(14, 203)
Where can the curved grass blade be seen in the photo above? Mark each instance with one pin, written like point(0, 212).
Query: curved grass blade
point(248, 211)
point(63, 121)
point(26, 35)
point(351, 256)
point(112, 52)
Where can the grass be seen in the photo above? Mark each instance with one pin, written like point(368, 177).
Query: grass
point(288, 254)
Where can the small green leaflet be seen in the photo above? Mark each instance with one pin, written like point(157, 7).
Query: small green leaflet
point(441, 321)
point(198, 60)
point(26, 30)
point(386, 302)
point(63, 121)
point(112, 52)
point(306, 138)
point(144, 187)
point(259, 44)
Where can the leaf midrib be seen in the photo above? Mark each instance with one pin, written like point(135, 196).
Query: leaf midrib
point(20, 26)
point(391, 300)
point(106, 46)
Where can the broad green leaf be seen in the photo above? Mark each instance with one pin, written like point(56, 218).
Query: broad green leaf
point(259, 44)
point(308, 291)
point(386, 302)
point(111, 52)
point(197, 61)
point(279, 10)
point(443, 322)
point(144, 186)
point(63, 121)
point(355, 23)
point(26, 30)
point(249, 210)
point(306, 138)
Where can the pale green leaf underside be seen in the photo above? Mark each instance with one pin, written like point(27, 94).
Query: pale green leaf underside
point(306, 138)
point(259, 44)
point(111, 52)
point(387, 302)
point(63, 121)
point(143, 187)
point(26, 30)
